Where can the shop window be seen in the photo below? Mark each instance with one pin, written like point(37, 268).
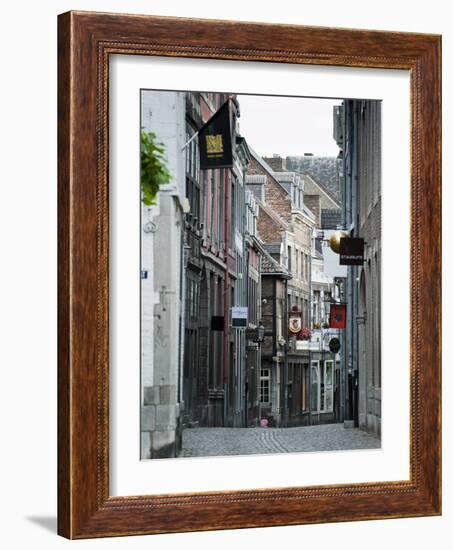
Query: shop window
point(322, 386)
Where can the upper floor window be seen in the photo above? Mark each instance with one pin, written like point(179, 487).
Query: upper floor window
point(192, 171)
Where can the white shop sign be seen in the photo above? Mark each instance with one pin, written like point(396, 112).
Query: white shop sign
point(239, 316)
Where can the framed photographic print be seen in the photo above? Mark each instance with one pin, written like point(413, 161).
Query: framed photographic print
point(249, 249)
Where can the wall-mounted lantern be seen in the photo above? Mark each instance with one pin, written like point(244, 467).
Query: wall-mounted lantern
point(256, 335)
point(260, 333)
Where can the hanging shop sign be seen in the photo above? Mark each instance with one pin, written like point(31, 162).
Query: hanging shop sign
point(214, 140)
point(337, 316)
point(334, 345)
point(217, 322)
point(239, 316)
point(294, 324)
point(351, 251)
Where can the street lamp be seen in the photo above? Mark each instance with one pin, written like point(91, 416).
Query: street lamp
point(256, 334)
point(260, 334)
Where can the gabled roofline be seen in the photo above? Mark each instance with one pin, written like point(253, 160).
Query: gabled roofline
point(273, 215)
point(322, 190)
point(268, 169)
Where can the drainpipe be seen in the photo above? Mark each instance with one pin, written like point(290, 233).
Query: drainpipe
point(285, 351)
point(348, 175)
point(274, 332)
point(310, 322)
point(352, 272)
point(246, 353)
point(356, 221)
point(226, 294)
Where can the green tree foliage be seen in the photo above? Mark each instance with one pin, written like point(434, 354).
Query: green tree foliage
point(154, 171)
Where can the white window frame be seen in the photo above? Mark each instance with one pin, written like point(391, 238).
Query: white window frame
point(316, 364)
point(330, 387)
point(264, 378)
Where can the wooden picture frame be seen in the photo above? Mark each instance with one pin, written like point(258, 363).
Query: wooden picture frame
point(85, 41)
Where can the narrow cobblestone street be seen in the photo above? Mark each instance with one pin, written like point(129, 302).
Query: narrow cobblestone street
point(245, 441)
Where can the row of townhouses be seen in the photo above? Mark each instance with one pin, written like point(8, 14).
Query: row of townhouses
point(237, 285)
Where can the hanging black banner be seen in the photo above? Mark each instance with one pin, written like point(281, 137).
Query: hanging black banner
point(351, 251)
point(214, 140)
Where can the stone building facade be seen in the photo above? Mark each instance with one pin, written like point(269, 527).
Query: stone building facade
point(162, 315)
point(198, 262)
point(358, 133)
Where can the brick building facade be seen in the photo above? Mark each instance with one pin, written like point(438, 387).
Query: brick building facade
point(215, 377)
point(286, 226)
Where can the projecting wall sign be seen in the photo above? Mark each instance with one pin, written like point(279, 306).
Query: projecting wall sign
point(351, 251)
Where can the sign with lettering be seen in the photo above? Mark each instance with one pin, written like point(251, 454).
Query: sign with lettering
point(239, 316)
point(351, 251)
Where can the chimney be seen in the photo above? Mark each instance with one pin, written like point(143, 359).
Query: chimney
point(276, 162)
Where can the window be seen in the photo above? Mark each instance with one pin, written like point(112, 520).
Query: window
point(252, 301)
point(322, 386)
point(220, 220)
point(204, 200)
point(305, 387)
point(192, 297)
point(233, 214)
point(192, 172)
point(328, 385)
point(265, 385)
point(212, 212)
point(315, 386)
point(315, 307)
point(215, 346)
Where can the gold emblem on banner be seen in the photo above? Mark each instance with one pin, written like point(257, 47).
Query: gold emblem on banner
point(214, 144)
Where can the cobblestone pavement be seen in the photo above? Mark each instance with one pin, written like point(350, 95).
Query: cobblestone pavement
point(245, 441)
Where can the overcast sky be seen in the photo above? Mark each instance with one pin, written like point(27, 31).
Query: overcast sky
point(288, 125)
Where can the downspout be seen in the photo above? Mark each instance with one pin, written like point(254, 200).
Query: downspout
point(310, 322)
point(352, 286)
point(226, 295)
point(356, 203)
point(274, 332)
point(285, 351)
point(351, 116)
point(246, 353)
